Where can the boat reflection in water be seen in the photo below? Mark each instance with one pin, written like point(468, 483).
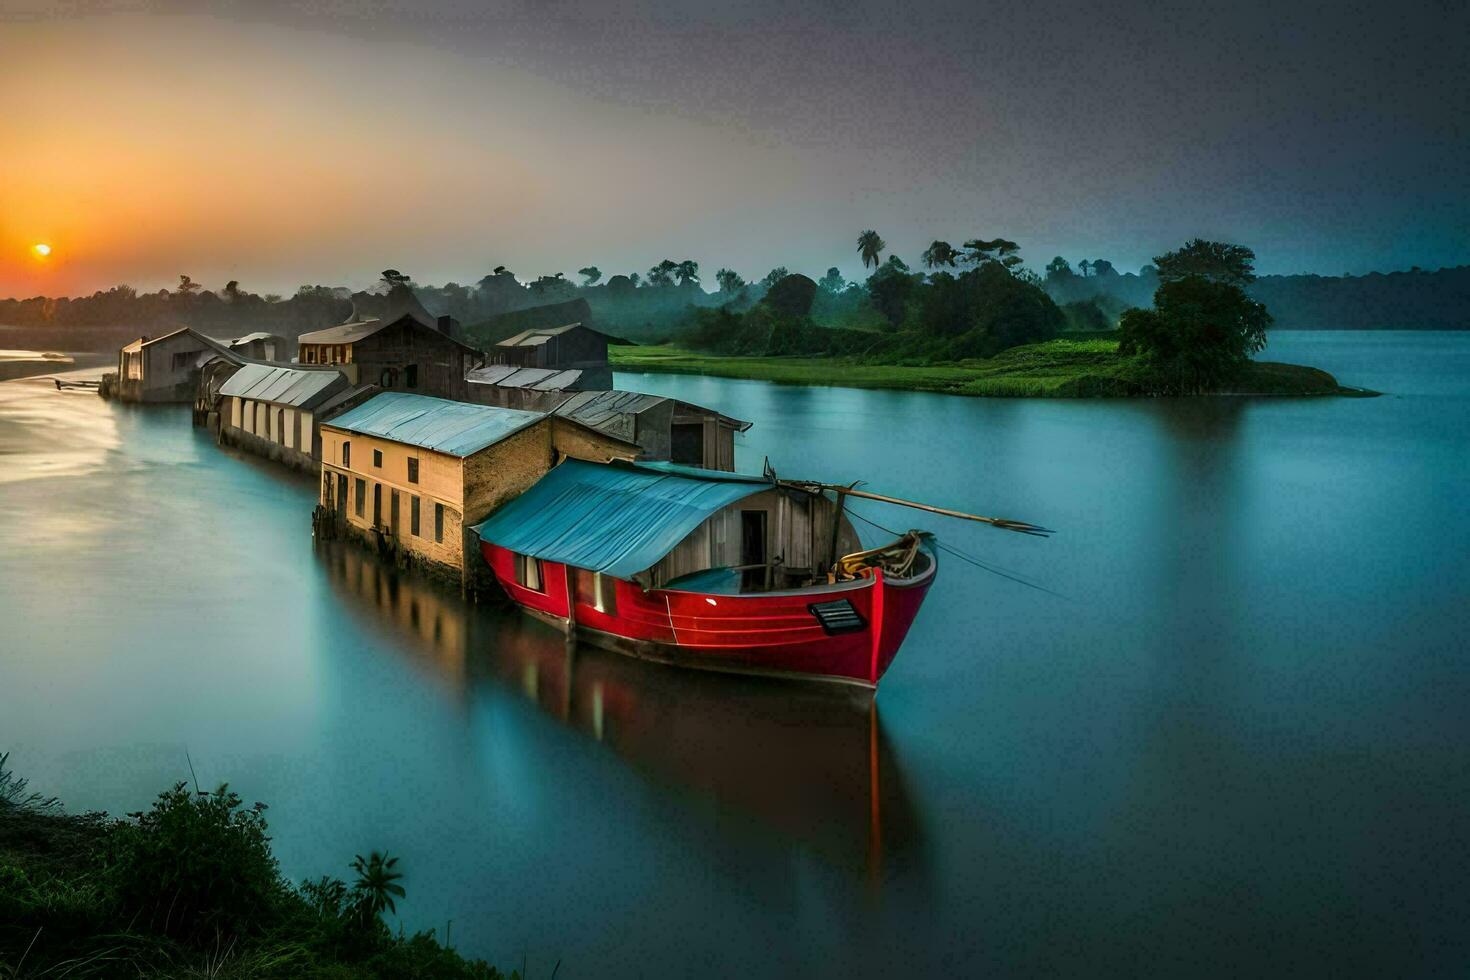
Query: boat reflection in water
point(808, 761)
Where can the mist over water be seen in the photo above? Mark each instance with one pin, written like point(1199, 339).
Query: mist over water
point(1236, 744)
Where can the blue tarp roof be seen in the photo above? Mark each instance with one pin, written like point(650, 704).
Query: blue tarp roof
point(615, 518)
point(456, 428)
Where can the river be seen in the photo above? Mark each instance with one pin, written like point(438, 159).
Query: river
point(1228, 734)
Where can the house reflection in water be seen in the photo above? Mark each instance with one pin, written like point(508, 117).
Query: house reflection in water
point(811, 763)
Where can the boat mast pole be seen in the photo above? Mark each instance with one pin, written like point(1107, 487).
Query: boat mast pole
point(842, 492)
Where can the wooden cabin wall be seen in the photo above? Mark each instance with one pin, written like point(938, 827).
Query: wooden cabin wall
point(798, 530)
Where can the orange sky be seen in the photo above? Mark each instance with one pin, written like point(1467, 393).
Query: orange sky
point(141, 148)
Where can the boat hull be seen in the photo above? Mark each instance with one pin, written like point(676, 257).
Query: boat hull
point(848, 632)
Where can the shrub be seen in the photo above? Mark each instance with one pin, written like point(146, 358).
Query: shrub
point(196, 866)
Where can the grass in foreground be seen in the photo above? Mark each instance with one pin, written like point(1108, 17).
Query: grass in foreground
point(1065, 368)
point(189, 888)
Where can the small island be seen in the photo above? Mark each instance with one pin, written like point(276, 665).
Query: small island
point(1072, 366)
point(992, 330)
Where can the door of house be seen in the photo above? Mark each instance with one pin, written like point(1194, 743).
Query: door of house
point(753, 549)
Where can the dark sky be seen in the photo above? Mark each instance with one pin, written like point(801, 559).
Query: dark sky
point(1331, 137)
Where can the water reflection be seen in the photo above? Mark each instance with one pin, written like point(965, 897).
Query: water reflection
point(811, 763)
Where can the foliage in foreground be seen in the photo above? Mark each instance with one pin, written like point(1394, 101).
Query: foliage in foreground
point(190, 888)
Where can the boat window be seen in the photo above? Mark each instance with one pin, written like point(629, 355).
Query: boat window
point(597, 591)
point(528, 572)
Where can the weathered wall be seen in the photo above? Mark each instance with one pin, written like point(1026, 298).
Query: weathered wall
point(579, 442)
point(384, 358)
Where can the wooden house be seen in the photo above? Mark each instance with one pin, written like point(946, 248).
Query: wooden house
point(667, 429)
point(276, 411)
point(166, 369)
point(413, 473)
point(403, 352)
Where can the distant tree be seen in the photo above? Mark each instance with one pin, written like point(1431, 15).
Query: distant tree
point(392, 278)
point(870, 246)
point(687, 272)
point(663, 273)
point(500, 270)
point(635, 279)
point(832, 282)
point(552, 288)
point(775, 276)
point(791, 296)
point(940, 254)
point(232, 290)
point(1085, 266)
point(1059, 268)
point(590, 275)
point(729, 280)
point(1203, 328)
point(1102, 267)
point(188, 286)
point(273, 297)
point(979, 251)
point(890, 287)
point(620, 287)
point(1216, 261)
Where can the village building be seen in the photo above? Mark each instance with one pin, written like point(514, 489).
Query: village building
point(166, 369)
point(262, 346)
point(413, 473)
point(571, 346)
point(666, 429)
point(407, 351)
point(276, 410)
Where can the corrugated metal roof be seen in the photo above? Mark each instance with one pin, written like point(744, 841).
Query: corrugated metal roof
point(615, 518)
point(252, 337)
point(511, 376)
point(281, 385)
point(600, 408)
point(456, 428)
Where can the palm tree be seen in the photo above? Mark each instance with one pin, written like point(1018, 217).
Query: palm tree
point(938, 254)
point(377, 883)
point(870, 247)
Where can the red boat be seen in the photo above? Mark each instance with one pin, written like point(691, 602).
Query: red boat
point(708, 569)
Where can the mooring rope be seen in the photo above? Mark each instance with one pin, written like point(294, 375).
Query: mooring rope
point(992, 569)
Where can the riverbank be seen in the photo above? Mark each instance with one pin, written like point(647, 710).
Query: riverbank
point(16, 364)
point(1065, 368)
point(189, 888)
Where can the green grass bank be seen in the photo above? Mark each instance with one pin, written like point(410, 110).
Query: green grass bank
point(1065, 368)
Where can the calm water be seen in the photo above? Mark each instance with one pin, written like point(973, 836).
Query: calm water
point(1235, 744)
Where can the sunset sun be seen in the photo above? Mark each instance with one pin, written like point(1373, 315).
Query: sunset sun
point(41, 249)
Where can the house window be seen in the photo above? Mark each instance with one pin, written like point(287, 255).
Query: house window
point(413, 516)
point(438, 522)
point(378, 458)
point(347, 453)
point(181, 360)
point(359, 490)
point(686, 443)
point(528, 572)
point(411, 376)
point(413, 469)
